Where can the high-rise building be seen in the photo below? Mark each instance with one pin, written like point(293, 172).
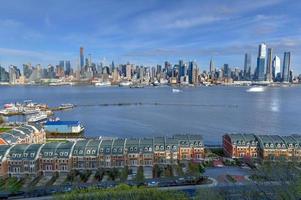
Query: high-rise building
point(14, 74)
point(68, 68)
point(276, 69)
point(247, 67)
point(128, 71)
point(81, 58)
point(269, 70)
point(191, 70)
point(27, 70)
point(211, 66)
point(259, 73)
point(227, 71)
point(286, 67)
point(4, 75)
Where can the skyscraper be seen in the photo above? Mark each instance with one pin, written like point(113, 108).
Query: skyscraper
point(211, 68)
point(247, 67)
point(191, 71)
point(227, 71)
point(286, 67)
point(259, 73)
point(269, 71)
point(67, 68)
point(81, 58)
point(276, 69)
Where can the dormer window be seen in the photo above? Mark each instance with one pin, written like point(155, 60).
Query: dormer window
point(283, 145)
point(75, 151)
point(66, 154)
point(81, 151)
point(161, 148)
point(45, 153)
point(88, 151)
point(120, 149)
point(101, 150)
point(107, 150)
point(50, 153)
point(157, 147)
point(32, 155)
point(61, 153)
point(114, 150)
point(267, 145)
point(150, 149)
point(135, 148)
point(131, 148)
point(93, 151)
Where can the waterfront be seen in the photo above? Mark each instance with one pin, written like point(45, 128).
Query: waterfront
point(156, 111)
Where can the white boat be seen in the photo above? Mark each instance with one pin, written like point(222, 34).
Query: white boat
point(124, 84)
point(38, 117)
point(28, 111)
point(66, 106)
point(256, 89)
point(174, 90)
point(103, 84)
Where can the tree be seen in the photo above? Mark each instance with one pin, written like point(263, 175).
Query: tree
point(140, 175)
point(194, 168)
point(114, 174)
point(168, 171)
point(99, 174)
point(124, 173)
point(157, 171)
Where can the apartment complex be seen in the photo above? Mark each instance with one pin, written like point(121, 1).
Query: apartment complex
point(91, 154)
point(266, 147)
point(25, 134)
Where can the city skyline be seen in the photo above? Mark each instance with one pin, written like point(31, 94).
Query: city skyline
point(124, 33)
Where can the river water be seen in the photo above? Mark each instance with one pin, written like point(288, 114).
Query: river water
point(157, 111)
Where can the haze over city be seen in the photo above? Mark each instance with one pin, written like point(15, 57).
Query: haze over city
point(148, 33)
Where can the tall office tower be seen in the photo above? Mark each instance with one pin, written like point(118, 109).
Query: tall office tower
point(27, 70)
point(181, 69)
point(4, 75)
point(211, 66)
point(227, 72)
point(286, 67)
point(128, 71)
point(259, 73)
point(67, 68)
point(81, 58)
point(276, 69)
point(191, 71)
point(269, 70)
point(14, 74)
point(247, 67)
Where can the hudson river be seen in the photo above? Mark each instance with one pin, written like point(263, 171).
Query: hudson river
point(210, 111)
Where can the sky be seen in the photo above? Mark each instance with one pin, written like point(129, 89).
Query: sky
point(148, 32)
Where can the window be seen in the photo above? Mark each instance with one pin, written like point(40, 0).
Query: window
point(88, 152)
point(93, 151)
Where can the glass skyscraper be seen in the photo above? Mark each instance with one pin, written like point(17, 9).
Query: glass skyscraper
point(259, 73)
point(247, 67)
point(286, 67)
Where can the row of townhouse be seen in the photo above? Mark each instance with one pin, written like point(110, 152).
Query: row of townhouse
point(25, 134)
point(91, 154)
point(266, 147)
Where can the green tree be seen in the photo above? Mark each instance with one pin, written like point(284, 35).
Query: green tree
point(140, 175)
point(157, 171)
point(124, 173)
point(114, 174)
point(168, 171)
point(99, 174)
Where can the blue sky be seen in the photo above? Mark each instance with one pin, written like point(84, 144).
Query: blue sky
point(149, 31)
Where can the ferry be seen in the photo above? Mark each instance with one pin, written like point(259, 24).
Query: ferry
point(66, 106)
point(256, 89)
point(174, 90)
point(38, 117)
point(103, 84)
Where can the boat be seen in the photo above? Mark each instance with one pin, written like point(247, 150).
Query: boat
point(28, 111)
point(66, 106)
point(256, 89)
point(103, 84)
point(37, 117)
point(174, 90)
point(125, 84)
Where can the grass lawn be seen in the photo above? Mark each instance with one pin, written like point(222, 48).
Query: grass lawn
point(4, 129)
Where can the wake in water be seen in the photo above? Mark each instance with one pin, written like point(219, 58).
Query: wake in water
point(158, 104)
